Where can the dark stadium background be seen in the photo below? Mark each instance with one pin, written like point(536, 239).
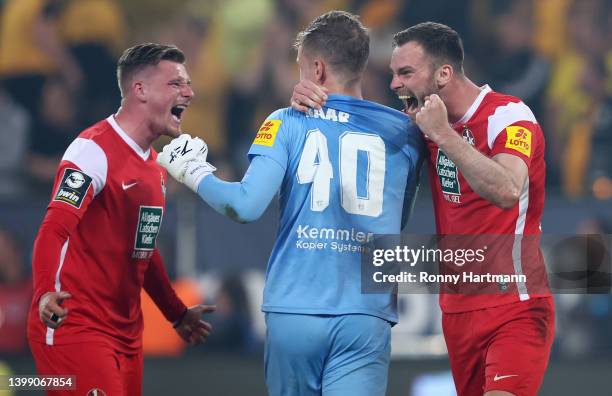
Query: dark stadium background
point(554, 54)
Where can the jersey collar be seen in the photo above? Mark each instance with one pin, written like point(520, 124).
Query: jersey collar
point(130, 142)
point(485, 89)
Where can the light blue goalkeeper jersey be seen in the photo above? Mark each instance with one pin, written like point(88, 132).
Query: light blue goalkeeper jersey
point(349, 169)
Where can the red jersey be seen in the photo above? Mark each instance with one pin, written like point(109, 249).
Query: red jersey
point(494, 124)
point(114, 194)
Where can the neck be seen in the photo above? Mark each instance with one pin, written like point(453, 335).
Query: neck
point(458, 96)
point(354, 90)
point(134, 125)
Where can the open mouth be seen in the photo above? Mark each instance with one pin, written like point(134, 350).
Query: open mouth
point(177, 112)
point(411, 103)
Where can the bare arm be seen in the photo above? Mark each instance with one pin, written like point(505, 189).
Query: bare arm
point(499, 179)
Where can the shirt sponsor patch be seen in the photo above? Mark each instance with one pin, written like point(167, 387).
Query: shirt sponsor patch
point(519, 139)
point(448, 174)
point(267, 133)
point(73, 187)
point(147, 228)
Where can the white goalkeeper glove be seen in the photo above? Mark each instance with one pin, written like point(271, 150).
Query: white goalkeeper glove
point(185, 160)
point(195, 171)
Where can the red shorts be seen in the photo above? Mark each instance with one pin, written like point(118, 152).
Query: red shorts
point(502, 348)
point(96, 367)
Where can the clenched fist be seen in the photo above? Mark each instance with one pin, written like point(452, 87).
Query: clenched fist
point(185, 160)
point(432, 118)
point(179, 152)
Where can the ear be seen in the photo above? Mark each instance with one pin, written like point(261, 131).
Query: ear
point(444, 74)
point(320, 71)
point(138, 90)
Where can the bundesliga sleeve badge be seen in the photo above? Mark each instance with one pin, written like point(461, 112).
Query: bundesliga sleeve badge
point(267, 133)
point(73, 187)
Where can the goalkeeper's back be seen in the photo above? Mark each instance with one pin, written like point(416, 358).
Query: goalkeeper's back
point(348, 167)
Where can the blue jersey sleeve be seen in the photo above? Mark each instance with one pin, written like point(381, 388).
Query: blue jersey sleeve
point(244, 201)
point(273, 138)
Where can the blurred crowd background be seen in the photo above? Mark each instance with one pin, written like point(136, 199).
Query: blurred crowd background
point(57, 76)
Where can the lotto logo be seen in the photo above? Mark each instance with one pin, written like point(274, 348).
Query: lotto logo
point(267, 133)
point(266, 126)
point(263, 135)
point(519, 139)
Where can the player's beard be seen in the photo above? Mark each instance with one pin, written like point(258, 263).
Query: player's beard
point(416, 99)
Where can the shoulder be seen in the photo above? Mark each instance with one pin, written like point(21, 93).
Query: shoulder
point(500, 106)
point(381, 111)
point(90, 142)
point(98, 131)
point(502, 111)
point(286, 114)
point(394, 120)
point(282, 120)
point(88, 154)
point(395, 127)
point(504, 102)
point(387, 117)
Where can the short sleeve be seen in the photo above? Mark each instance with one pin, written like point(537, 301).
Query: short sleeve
point(272, 139)
point(518, 139)
point(80, 176)
point(512, 129)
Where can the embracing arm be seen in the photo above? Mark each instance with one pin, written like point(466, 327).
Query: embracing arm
point(244, 201)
